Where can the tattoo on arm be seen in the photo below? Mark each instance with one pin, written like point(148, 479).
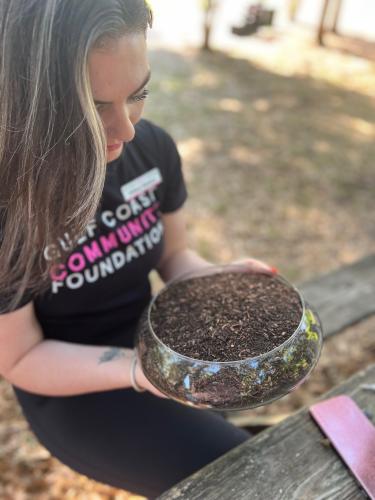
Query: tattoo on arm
point(111, 354)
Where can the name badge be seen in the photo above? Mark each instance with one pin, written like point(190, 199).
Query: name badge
point(143, 183)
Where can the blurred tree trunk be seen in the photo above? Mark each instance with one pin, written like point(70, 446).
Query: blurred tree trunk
point(293, 9)
point(208, 9)
point(322, 23)
point(336, 15)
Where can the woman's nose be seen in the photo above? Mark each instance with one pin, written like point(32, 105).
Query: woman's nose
point(122, 127)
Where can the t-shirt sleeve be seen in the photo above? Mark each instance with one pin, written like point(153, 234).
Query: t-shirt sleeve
point(175, 191)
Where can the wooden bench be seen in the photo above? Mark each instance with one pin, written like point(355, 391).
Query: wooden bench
point(292, 460)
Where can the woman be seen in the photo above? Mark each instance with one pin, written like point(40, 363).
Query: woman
point(91, 202)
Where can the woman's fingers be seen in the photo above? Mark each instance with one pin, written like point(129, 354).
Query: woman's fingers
point(155, 391)
point(256, 266)
point(142, 381)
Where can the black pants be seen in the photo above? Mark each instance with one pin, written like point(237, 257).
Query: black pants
point(129, 440)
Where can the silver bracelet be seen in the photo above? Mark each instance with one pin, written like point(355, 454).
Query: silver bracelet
point(136, 387)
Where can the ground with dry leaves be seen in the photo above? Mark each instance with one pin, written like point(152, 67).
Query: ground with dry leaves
point(278, 151)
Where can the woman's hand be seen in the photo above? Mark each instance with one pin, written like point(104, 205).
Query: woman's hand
point(143, 382)
point(256, 266)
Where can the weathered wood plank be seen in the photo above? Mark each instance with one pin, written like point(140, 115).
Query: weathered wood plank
point(344, 296)
point(290, 461)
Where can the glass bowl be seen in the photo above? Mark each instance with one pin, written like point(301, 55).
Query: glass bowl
point(229, 385)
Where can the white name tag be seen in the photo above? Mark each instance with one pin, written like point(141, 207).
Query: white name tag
point(143, 183)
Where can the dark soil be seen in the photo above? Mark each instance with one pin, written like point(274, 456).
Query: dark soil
point(226, 316)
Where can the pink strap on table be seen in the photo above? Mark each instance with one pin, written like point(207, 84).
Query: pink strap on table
point(352, 435)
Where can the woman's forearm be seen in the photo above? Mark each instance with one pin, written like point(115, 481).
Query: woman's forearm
point(56, 368)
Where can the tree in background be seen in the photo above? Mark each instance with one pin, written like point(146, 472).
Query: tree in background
point(293, 8)
point(322, 22)
point(336, 15)
point(208, 7)
point(329, 18)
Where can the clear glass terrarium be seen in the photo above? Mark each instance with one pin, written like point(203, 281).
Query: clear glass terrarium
point(229, 385)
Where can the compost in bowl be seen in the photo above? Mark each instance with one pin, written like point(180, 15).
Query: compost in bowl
point(284, 356)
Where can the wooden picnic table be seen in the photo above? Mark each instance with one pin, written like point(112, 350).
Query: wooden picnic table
point(293, 460)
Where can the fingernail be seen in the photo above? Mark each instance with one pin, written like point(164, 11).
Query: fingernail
point(274, 270)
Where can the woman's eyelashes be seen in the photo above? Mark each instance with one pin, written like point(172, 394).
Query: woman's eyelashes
point(140, 97)
point(134, 98)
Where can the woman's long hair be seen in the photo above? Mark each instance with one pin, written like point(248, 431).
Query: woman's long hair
point(52, 141)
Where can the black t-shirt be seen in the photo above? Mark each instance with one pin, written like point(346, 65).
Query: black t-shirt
point(104, 286)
